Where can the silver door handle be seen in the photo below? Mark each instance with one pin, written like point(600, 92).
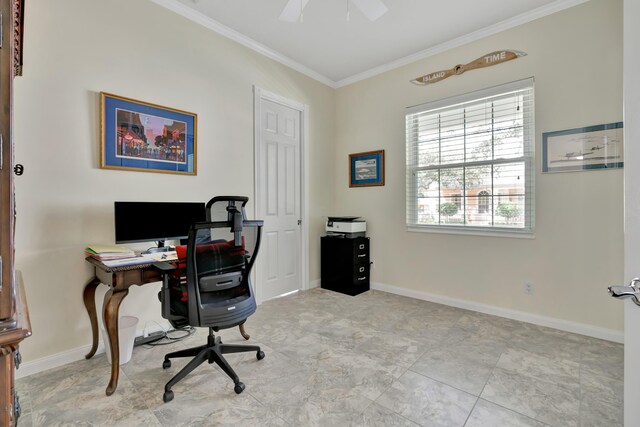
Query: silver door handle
point(630, 291)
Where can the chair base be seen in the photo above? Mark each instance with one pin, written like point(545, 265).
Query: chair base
point(212, 352)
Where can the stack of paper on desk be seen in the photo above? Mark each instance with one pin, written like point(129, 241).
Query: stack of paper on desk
point(105, 253)
point(126, 261)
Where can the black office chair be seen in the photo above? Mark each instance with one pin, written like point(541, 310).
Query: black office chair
point(211, 287)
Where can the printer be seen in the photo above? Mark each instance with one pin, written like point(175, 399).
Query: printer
point(346, 226)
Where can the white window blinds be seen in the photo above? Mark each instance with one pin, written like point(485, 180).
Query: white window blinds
point(470, 161)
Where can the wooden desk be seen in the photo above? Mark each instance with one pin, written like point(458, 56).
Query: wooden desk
point(119, 280)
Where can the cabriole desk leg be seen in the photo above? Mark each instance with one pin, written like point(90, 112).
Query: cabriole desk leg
point(89, 296)
point(244, 334)
point(112, 302)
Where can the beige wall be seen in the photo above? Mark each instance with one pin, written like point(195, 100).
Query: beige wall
point(575, 57)
point(77, 48)
point(73, 50)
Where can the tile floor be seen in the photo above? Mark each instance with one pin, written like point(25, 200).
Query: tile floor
point(373, 360)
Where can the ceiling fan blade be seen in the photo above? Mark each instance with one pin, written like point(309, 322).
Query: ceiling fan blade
point(292, 10)
point(373, 9)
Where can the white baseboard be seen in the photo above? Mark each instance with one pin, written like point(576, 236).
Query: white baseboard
point(56, 360)
point(563, 325)
point(59, 359)
point(73, 355)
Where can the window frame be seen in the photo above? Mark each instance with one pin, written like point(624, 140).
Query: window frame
point(527, 158)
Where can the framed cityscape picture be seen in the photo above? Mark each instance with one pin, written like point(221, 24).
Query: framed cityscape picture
point(366, 169)
point(592, 147)
point(140, 136)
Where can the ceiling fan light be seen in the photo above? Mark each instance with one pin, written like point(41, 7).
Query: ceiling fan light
point(293, 10)
point(373, 9)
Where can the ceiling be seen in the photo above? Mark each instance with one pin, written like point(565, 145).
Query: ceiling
point(328, 48)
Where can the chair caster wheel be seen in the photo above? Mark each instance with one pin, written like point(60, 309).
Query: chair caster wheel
point(239, 388)
point(260, 355)
point(167, 396)
point(166, 364)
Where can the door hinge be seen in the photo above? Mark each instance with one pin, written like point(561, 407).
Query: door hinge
point(1, 151)
point(1, 21)
point(299, 222)
point(1, 273)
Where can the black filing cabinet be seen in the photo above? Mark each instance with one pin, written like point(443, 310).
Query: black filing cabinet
point(344, 264)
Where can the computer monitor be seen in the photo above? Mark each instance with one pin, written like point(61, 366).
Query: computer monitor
point(155, 221)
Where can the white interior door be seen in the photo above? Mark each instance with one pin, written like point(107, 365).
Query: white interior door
point(279, 198)
point(631, 92)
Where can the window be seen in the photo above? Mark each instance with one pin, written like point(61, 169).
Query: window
point(470, 161)
point(484, 202)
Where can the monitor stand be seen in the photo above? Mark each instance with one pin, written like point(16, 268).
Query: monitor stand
point(161, 248)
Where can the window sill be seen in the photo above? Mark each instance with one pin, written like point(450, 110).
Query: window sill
point(498, 232)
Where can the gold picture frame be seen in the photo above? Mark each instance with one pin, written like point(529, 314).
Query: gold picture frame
point(145, 137)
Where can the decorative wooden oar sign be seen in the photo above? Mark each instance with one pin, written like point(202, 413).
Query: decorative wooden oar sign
point(493, 58)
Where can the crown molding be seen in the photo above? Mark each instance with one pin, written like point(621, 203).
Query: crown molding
point(523, 18)
point(223, 30)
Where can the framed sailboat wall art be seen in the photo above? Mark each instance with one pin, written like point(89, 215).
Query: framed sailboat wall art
point(587, 148)
point(366, 169)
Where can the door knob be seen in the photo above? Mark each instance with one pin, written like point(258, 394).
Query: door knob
point(630, 291)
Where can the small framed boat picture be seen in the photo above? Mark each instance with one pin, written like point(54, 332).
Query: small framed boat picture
point(139, 136)
point(592, 147)
point(366, 169)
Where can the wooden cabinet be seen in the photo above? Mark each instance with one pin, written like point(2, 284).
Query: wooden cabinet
point(344, 264)
point(14, 317)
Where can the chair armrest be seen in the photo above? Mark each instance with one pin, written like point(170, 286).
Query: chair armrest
point(164, 267)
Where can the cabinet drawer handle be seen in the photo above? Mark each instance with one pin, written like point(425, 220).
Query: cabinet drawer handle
point(362, 278)
point(361, 269)
point(361, 246)
point(362, 256)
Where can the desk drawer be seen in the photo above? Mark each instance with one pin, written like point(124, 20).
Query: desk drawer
point(122, 279)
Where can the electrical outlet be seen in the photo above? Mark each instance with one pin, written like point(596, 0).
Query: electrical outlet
point(528, 288)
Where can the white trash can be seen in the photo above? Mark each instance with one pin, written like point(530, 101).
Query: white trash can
point(126, 336)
